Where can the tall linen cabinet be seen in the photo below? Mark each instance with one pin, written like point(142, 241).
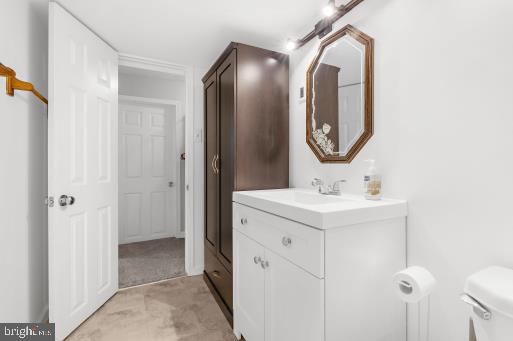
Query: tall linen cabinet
point(246, 103)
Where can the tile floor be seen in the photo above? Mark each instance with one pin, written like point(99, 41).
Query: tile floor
point(180, 309)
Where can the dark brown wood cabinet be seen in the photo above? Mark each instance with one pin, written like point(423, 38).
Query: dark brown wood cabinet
point(246, 103)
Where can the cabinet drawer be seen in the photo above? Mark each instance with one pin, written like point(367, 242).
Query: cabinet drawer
point(300, 244)
point(219, 276)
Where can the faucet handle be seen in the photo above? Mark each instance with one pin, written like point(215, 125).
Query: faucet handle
point(336, 186)
point(317, 182)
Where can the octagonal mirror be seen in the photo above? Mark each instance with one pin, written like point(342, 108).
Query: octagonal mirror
point(340, 96)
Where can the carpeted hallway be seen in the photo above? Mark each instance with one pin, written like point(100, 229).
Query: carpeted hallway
point(151, 261)
point(180, 309)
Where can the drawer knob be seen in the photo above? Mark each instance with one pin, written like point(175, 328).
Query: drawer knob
point(264, 264)
point(243, 221)
point(257, 260)
point(286, 241)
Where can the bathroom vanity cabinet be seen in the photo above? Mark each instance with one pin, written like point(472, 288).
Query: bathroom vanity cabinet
point(246, 105)
point(297, 282)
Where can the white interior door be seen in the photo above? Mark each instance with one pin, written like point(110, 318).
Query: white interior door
point(148, 191)
point(82, 163)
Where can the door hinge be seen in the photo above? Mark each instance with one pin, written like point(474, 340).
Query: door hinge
point(49, 201)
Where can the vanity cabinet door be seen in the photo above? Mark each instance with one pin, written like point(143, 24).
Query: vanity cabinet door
point(294, 302)
point(249, 288)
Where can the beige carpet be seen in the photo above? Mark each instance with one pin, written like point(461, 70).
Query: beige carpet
point(180, 309)
point(151, 261)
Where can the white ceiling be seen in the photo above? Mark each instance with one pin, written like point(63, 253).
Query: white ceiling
point(194, 32)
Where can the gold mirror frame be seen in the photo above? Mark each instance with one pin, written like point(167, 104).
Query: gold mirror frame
point(368, 130)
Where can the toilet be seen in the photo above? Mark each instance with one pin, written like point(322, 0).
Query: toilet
point(489, 294)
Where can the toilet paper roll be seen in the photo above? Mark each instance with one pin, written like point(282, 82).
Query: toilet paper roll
point(413, 284)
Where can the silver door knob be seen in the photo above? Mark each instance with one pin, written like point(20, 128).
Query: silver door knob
point(243, 221)
point(286, 241)
point(65, 200)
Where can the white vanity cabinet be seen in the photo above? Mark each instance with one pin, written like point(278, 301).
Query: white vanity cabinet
point(267, 288)
point(297, 282)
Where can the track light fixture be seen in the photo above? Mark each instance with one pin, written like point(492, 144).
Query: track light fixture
point(329, 9)
point(291, 45)
point(331, 13)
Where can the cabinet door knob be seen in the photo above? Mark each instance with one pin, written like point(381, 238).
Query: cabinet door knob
point(243, 221)
point(286, 241)
point(264, 264)
point(257, 260)
point(216, 274)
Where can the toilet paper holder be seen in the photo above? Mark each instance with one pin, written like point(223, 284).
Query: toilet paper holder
point(405, 287)
point(478, 308)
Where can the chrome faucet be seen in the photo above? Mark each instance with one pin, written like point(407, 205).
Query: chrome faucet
point(328, 190)
point(320, 183)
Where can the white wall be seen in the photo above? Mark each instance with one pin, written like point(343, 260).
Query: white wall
point(443, 120)
point(151, 87)
point(23, 166)
point(199, 171)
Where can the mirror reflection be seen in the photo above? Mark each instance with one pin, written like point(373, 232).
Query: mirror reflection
point(339, 95)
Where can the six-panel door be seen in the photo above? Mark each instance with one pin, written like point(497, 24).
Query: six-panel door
point(147, 202)
point(82, 163)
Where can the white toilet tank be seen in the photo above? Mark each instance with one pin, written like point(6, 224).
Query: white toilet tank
point(490, 294)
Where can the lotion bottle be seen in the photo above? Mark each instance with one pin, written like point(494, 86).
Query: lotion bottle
point(372, 182)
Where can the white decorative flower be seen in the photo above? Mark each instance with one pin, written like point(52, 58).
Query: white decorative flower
point(323, 141)
point(326, 128)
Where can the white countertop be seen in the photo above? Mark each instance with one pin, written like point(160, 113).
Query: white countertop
point(321, 211)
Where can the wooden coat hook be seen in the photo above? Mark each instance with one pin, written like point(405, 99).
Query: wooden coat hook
point(13, 83)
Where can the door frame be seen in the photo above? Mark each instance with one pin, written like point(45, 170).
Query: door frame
point(135, 100)
point(191, 266)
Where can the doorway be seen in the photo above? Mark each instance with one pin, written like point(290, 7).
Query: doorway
point(151, 188)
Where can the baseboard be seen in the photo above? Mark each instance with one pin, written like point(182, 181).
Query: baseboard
point(43, 315)
point(198, 270)
point(180, 234)
point(145, 239)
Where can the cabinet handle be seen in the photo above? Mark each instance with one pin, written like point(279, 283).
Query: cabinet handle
point(216, 274)
point(264, 264)
point(257, 260)
point(286, 241)
point(212, 164)
point(216, 164)
point(243, 221)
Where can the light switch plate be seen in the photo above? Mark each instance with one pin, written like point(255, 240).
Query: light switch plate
point(302, 94)
point(198, 136)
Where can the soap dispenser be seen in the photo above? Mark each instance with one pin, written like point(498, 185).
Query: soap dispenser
point(372, 182)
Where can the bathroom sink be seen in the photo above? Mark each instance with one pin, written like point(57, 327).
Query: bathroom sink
point(302, 197)
point(321, 211)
